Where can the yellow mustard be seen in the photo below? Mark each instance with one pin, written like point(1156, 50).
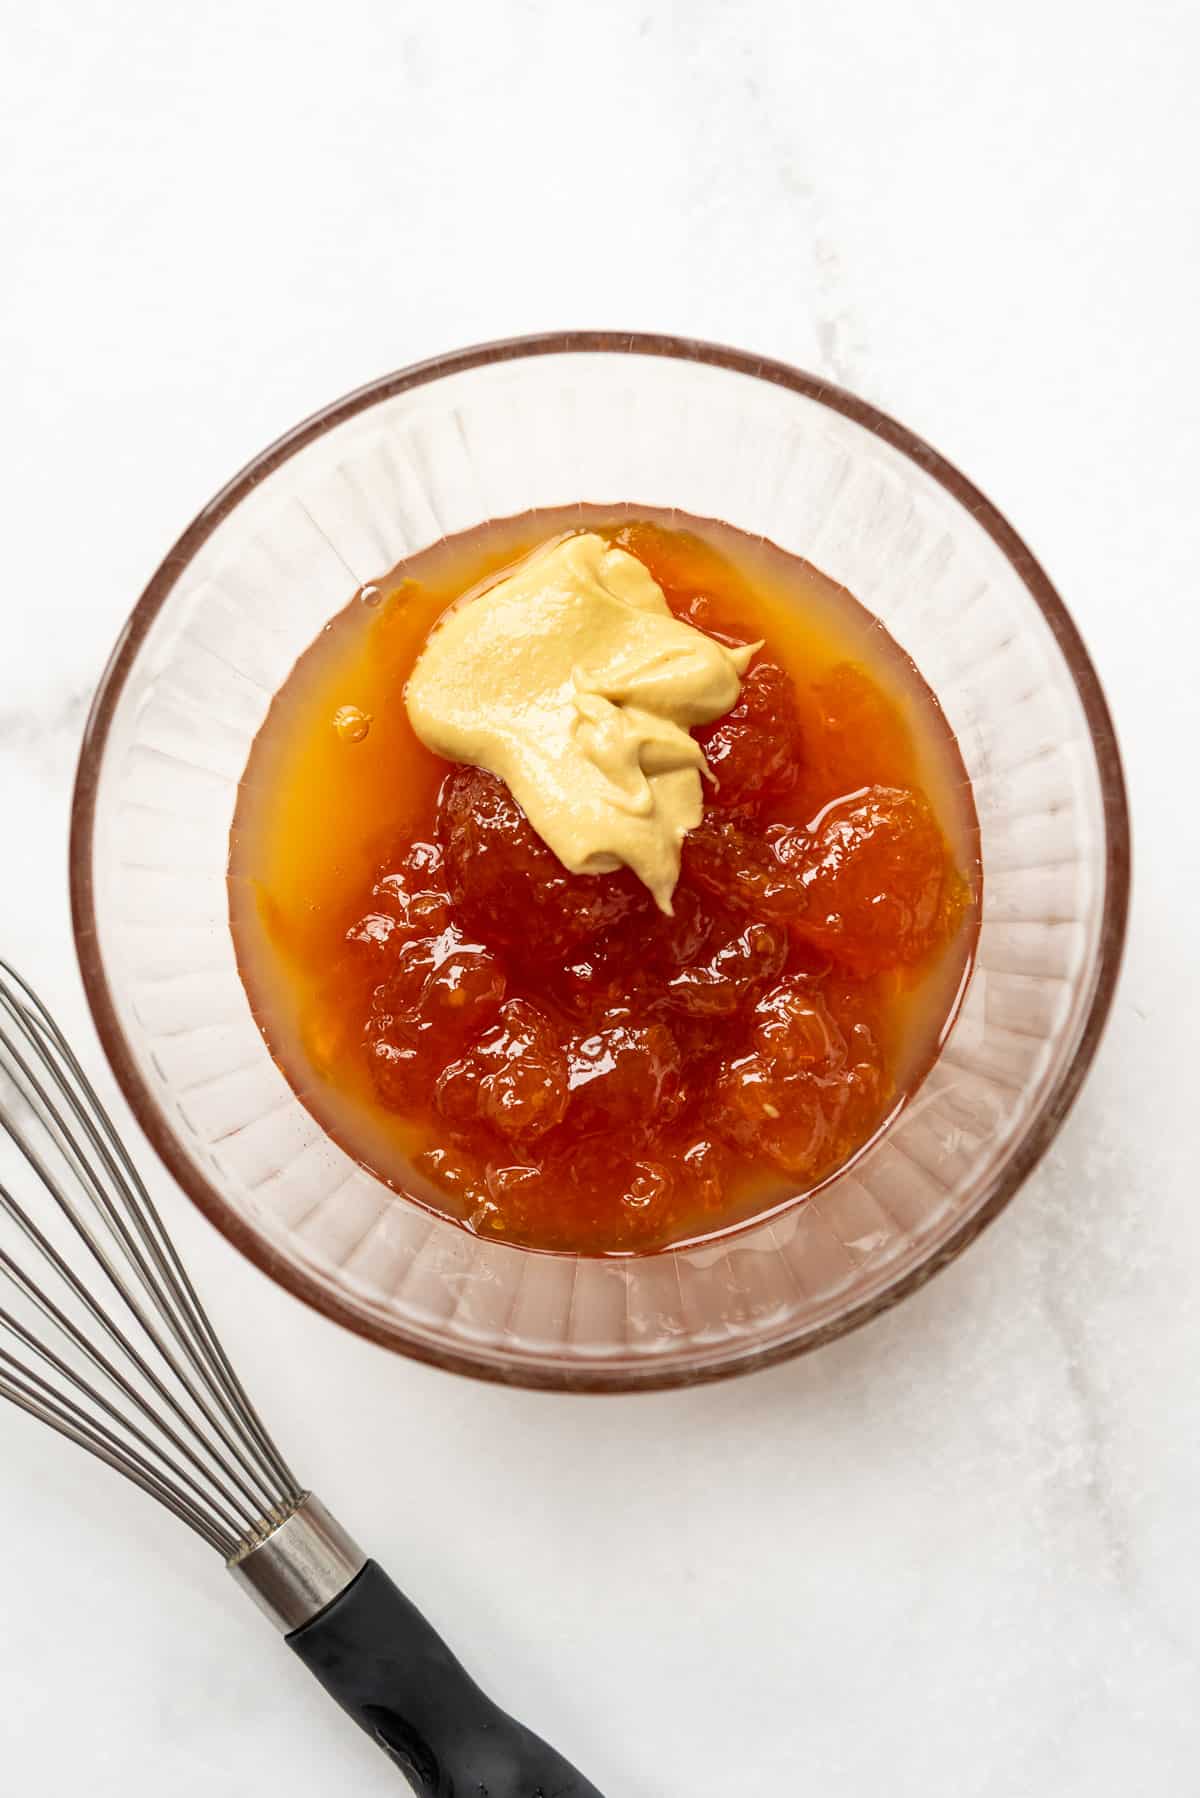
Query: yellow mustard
point(572, 682)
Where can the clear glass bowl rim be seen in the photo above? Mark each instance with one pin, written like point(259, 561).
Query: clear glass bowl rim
point(1044, 1124)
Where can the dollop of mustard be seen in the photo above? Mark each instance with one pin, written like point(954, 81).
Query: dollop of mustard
point(572, 682)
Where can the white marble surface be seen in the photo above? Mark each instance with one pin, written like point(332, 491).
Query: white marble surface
point(954, 1555)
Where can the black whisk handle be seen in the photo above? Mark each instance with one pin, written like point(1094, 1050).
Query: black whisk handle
point(389, 1669)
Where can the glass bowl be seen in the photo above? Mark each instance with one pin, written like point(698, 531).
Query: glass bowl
point(548, 421)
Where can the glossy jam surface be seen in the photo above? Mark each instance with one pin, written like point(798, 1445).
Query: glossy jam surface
point(543, 1056)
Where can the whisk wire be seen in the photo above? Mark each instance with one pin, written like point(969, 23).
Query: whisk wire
point(192, 1329)
point(179, 1423)
point(86, 1436)
point(242, 1414)
point(40, 1397)
point(113, 1374)
point(52, 1122)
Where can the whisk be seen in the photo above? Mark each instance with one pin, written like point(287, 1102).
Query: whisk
point(103, 1337)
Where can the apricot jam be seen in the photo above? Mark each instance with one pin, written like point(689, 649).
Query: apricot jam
point(545, 1057)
